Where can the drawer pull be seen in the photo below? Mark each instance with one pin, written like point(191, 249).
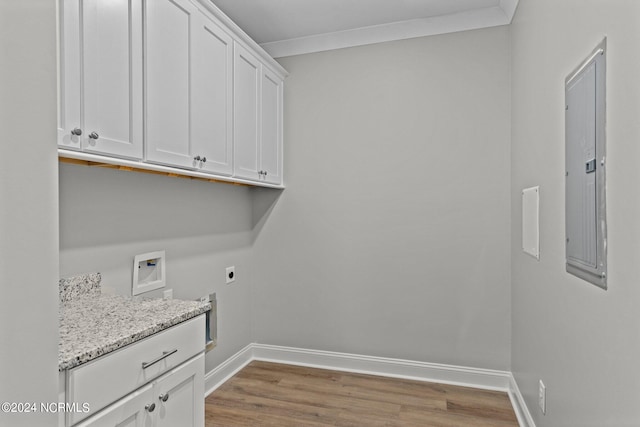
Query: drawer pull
point(165, 354)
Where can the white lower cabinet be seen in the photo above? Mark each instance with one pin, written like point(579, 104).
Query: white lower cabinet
point(130, 411)
point(180, 396)
point(175, 399)
point(158, 381)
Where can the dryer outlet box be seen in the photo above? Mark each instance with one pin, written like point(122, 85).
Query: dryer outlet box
point(231, 274)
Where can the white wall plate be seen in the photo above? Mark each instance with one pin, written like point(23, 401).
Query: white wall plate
point(530, 221)
point(148, 272)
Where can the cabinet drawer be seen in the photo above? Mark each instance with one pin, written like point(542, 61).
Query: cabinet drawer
point(110, 377)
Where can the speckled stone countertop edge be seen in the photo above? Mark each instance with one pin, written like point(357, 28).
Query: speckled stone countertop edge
point(89, 355)
point(93, 324)
point(82, 285)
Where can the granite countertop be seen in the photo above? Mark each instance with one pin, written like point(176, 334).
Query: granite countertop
point(93, 324)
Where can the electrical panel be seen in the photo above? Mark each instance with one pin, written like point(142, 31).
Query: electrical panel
point(585, 201)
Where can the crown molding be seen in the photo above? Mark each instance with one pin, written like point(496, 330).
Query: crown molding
point(463, 21)
point(509, 8)
point(214, 13)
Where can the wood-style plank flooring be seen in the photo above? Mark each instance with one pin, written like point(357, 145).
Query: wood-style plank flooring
point(269, 394)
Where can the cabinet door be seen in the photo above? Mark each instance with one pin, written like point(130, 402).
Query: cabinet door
point(69, 77)
point(111, 33)
point(246, 97)
point(271, 128)
point(180, 395)
point(169, 27)
point(212, 124)
point(129, 411)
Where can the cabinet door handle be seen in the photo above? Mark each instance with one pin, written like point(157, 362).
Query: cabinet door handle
point(165, 354)
point(196, 158)
point(94, 135)
point(204, 160)
point(150, 407)
point(76, 132)
point(164, 397)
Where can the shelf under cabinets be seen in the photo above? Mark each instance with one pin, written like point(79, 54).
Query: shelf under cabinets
point(88, 159)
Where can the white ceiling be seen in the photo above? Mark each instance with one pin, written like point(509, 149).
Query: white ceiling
point(290, 27)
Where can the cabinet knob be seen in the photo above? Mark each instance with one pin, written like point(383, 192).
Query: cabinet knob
point(150, 407)
point(164, 397)
point(204, 160)
point(94, 135)
point(76, 132)
point(196, 158)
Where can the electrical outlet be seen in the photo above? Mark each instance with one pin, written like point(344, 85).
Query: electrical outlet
point(542, 397)
point(231, 274)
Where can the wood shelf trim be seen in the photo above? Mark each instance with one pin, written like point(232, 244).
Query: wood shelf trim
point(93, 160)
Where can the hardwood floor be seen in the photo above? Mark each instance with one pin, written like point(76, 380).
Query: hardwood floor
point(269, 394)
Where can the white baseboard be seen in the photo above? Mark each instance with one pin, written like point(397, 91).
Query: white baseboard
point(396, 368)
point(218, 376)
point(486, 379)
point(519, 406)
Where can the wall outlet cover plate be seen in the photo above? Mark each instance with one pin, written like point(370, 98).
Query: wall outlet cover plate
point(542, 397)
point(231, 274)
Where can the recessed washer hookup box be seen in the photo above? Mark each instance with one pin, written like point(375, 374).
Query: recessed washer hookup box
point(148, 272)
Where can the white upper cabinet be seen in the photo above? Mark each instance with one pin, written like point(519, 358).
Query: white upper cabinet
point(246, 114)
point(212, 130)
point(69, 76)
point(257, 119)
point(169, 28)
point(168, 84)
point(100, 86)
point(188, 82)
point(271, 129)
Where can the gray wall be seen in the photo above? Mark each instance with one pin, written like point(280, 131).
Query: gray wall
point(355, 256)
point(580, 340)
point(392, 237)
point(28, 209)
point(107, 217)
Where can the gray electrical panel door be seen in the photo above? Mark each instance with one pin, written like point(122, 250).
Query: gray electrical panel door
point(585, 161)
point(581, 181)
